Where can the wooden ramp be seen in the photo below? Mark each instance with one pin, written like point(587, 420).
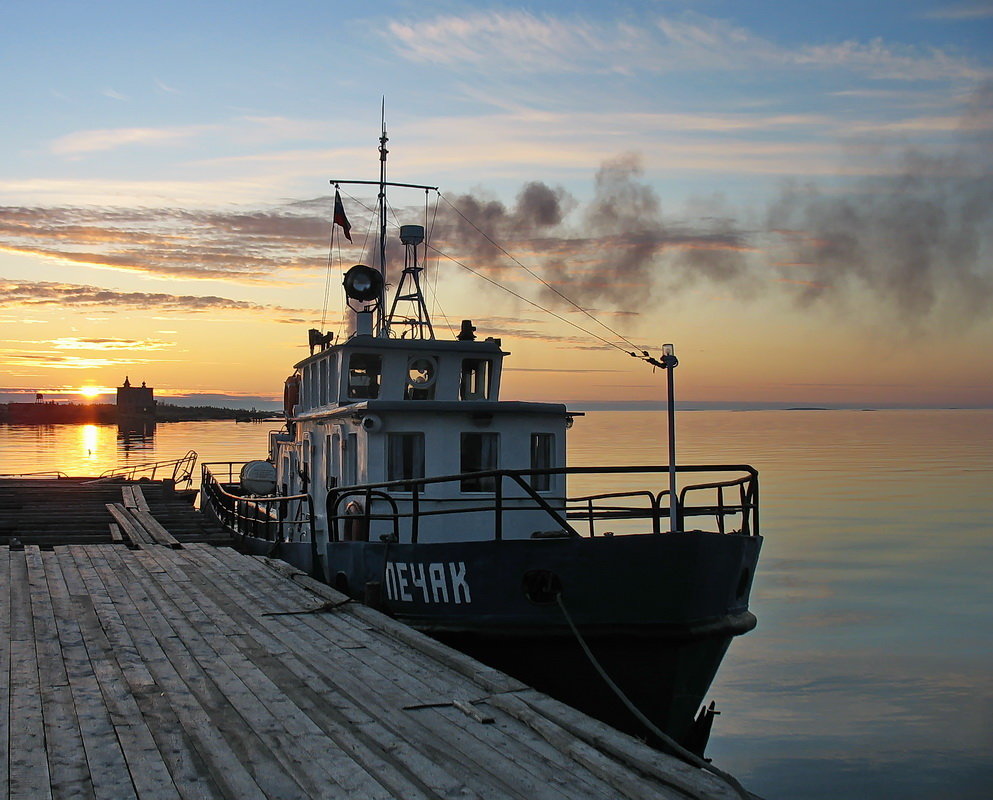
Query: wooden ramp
point(202, 673)
point(50, 512)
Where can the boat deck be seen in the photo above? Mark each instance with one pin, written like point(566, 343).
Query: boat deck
point(157, 671)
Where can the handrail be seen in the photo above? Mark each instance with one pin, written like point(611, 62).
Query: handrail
point(249, 515)
point(182, 470)
point(496, 501)
point(56, 473)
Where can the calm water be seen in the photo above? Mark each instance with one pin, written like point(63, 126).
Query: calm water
point(871, 672)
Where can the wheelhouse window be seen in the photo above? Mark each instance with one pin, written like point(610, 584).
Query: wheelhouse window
point(476, 378)
point(323, 378)
point(542, 457)
point(480, 453)
point(404, 456)
point(364, 371)
point(421, 374)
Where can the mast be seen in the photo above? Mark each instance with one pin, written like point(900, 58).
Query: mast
point(382, 323)
point(383, 139)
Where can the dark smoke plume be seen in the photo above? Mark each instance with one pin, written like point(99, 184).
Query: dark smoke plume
point(914, 239)
point(623, 250)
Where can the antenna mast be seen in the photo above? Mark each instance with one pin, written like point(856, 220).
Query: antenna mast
point(383, 139)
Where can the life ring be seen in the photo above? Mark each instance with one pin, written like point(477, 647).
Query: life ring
point(356, 522)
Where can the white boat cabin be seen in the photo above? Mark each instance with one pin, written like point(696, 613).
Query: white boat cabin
point(372, 409)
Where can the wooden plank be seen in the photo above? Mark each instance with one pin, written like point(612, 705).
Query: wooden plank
point(236, 773)
point(5, 604)
point(155, 529)
point(460, 740)
point(28, 777)
point(84, 657)
point(64, 751)
point(290, 733)
point(63, 738)
point(633, 754)
point(155, 710)
point(375, 723)
point(115, 533)
point(148, 772)
point(345, 726)
point(127, 494)
point(28, 770)
point(491, 679)
point(139, 499)
point(135, 533)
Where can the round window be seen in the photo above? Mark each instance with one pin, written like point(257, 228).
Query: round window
point(421, 372)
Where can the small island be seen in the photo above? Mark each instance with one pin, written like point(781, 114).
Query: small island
point(135, 405)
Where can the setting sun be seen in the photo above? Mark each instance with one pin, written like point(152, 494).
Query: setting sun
point(90, 392)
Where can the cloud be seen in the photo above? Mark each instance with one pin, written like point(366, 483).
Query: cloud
point(40, 294)
point(237, 246)
point(522, 42)
point(962, 12)
point(113, 138)
point(916, 236)
point(96, 343)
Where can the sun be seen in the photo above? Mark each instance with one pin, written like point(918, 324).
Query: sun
point(91, 391)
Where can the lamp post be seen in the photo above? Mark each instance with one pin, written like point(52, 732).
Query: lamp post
point(669, 363)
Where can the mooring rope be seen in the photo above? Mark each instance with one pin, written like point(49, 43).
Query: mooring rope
point(680, 751)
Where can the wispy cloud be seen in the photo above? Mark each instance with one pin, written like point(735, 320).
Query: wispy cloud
point(245, 247)
point(112, 138)
point(523, 42)
point(962, 12)
point(40, 294)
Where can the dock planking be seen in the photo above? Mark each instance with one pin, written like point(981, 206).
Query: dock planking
point(199, 672)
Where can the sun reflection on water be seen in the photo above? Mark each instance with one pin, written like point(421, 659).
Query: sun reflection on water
point(89, 438)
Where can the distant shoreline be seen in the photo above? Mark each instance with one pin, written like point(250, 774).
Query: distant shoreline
point(108, 413)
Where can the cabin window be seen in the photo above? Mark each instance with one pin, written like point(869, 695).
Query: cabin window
point(364, 370)
point(404, 456)
point(308, 387)
point(330, 471)
point(323, 382)
point(475, 379)
point(421, 374)
point(542, 450)
point(350, 459)
point(479, 454)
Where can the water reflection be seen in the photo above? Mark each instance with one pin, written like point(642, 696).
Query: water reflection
point(135, 435)
point(868, 674)
point(89, 442)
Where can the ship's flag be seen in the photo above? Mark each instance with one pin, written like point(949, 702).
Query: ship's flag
point(340, 218)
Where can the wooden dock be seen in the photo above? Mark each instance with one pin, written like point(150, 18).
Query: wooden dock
point(160, 671)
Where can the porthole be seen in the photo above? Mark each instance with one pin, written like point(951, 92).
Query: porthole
point(421, 372)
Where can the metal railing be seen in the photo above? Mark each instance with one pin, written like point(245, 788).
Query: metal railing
point(352, 510)
point(52, 473)
point(179, 470)
point(276, 518)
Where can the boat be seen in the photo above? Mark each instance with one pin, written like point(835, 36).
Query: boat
point(403, 478)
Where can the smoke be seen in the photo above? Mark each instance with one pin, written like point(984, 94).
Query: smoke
point(622, 246)
point(916, 239)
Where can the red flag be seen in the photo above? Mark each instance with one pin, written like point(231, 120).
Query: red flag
point(340, 218)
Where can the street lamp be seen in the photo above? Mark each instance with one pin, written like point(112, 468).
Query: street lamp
point(669, 363)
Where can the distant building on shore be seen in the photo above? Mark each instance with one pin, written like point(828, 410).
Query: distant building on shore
point(135, 401)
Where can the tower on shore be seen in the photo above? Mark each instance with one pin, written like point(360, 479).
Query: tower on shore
point(135, 401)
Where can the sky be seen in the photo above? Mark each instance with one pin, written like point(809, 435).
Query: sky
point(797, 195)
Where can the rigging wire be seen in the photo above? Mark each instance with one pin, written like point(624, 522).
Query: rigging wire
point(531, 302)
point(327, 280)
point(537, 277)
